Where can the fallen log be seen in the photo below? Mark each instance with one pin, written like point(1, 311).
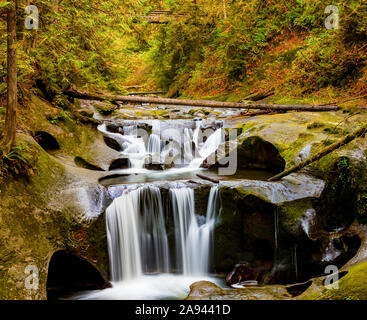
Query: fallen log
point(145, 93)
point(355, 134)
point(197, 103)
point(258, 113)
point(207, 178)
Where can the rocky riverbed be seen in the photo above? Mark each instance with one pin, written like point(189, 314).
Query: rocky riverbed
point(274, 234)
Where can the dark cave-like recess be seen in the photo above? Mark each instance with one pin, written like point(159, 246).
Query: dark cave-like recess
point(46, 141)
point(68, 274)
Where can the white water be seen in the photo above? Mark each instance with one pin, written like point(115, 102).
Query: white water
point(193, 240)
point(208, 148)
point(138, 245)
point(154, 241)
point(308, 220)
point(154, 143)
point(188, 152)
point(134, 147)
point(136, 234)
point(148, 287)
point(123, 237)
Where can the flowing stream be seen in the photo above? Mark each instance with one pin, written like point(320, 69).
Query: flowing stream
point(139, 249)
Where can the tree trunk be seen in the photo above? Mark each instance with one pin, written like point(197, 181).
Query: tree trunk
point(198, 103)
point(355, 134)
point(145, 93)
point(8, 136)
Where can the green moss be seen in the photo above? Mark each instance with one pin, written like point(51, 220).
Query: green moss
point(315, 125)
point(351, 287)
point(290, 215)
point(105, 108)
point(290, 151)
point(334, 130)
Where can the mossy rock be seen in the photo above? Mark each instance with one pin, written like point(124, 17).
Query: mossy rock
point(337, 204)
point(201, 199)
point(34, 223)
point(104, 108)
point(256, 153)
point(351, 286)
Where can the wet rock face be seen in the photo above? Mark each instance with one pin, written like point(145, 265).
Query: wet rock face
point(42, 217)
point(337, 204)
point(253, 153)
point(256, 153)
point(274, 243)
point(245, 232)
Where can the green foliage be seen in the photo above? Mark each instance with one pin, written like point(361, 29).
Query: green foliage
point(77, 45)
point(102, 45)
point(205, 51)
point(14, 163)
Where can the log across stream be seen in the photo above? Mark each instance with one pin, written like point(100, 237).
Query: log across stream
point(197, 103)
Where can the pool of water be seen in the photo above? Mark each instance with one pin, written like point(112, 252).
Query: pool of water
point(129, 176)
point(149, 287)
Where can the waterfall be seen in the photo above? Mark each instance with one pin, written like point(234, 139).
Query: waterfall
point(196, 132)
point(135, 150)
point(208, 148)
point(121, 140)
point(137, 237)
point(136, 234)
point(154, 244)
point(154, 143)
point(122, 223)
point(193, 239)
point(188, 155)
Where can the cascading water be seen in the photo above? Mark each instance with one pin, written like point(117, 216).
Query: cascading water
point(138, 245)
point(122, 224)
point(138, 147)
point(154, 242)
point(193, 239)
point(154, 250)
point(137, 236)
point(188, 155)
point(154, 143)
point(135, 150)
point(208, 148)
